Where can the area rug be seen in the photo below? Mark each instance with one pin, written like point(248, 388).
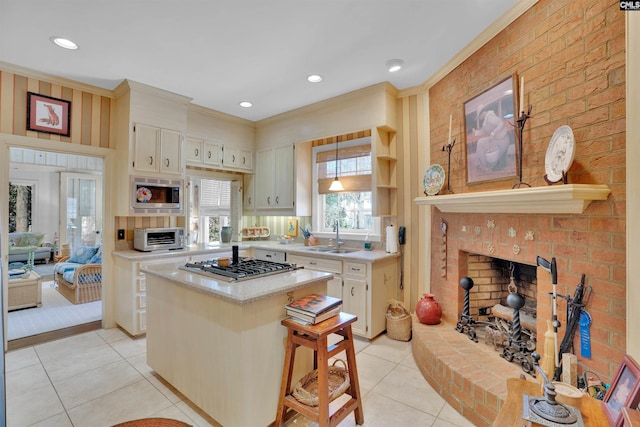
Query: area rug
point(154, 422)
point(56, 313)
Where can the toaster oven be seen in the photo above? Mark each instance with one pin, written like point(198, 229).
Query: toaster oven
point(155, 239)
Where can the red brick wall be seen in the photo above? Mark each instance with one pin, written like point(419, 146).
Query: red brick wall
point(571, 55)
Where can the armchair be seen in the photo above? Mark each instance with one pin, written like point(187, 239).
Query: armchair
point(78, 277)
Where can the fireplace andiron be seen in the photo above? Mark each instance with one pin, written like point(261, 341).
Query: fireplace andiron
point(518, 349)
point(467, 324)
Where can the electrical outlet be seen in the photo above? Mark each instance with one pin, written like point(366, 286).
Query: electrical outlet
point(120, 234)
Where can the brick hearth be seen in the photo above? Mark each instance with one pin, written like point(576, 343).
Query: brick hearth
point(470, 376)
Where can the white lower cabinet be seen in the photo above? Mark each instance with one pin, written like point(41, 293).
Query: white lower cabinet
point(365, 288)
point(131, 293)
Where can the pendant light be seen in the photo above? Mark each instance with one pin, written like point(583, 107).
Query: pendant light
point(336, 185)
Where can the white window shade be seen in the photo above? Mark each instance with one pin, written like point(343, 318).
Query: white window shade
point(353, 166)
point(215, 198)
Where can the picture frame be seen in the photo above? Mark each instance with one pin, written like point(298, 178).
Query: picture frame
point(491, 148)
point(48, 115)
point(624, 391)
point(292, 227)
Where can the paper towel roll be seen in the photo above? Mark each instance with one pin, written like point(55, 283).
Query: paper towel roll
point(392, 239)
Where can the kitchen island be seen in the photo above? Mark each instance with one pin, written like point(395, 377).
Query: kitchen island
point(220, 343)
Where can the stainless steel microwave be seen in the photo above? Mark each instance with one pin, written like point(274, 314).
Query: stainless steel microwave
point(157, 196)
point(155, 239)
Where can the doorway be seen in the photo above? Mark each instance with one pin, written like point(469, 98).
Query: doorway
point(66, 206)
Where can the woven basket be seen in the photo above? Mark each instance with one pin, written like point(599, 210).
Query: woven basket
point(398, 321)
point(306, 390)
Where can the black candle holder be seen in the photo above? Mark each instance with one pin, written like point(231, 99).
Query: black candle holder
point(448, 149)
point(521, 121)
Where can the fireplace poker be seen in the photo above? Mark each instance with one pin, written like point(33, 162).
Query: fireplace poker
point(574, 307)
point(551, 267)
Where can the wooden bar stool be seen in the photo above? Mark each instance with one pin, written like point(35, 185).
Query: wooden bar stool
point(315, 337)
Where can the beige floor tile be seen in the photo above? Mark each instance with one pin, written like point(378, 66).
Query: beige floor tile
point(388, 349)
point(371, 370)
point(26, 379)
point(60, 420)
point(32, 407)
point(82, 388)
point(409, 361)
point(18, 359)
point(112, 334)
point(139, 362)
point(135, 401)
point(167, 390)
point(79, 361)
point(381, 411)
point(452, 417)
point(128, 347)
point(408, 386)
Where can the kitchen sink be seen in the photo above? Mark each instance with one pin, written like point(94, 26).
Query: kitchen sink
point(331, 250)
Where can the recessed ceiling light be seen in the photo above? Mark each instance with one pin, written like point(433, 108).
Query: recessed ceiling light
point(394, 65)
point(246, 104)
point(315, 78)
point(64, 43)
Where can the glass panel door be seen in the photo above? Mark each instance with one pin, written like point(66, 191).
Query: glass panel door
point(80, 209)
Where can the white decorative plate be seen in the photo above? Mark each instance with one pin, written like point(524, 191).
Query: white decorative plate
point(560, 153)
point(143, 194)
point(433, 179)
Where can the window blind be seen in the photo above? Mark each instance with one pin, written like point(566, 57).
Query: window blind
point(353, 165)
point(215, 198)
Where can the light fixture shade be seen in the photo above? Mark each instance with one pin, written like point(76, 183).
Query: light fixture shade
point(394, 65)
point(336, 185)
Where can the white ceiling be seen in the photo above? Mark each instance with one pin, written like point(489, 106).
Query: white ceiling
point(222, 52)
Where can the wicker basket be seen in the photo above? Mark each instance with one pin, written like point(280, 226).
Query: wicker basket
point(306, 390)
point(398, 321)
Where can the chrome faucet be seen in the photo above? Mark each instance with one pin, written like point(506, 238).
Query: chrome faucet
point(338, 242)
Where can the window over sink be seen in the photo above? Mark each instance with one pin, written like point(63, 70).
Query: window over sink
point(351, 209)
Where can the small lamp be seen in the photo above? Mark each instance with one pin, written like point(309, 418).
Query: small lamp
point(336, 185)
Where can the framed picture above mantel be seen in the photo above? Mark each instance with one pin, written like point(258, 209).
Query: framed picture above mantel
point(48, 115)
point(490, 139)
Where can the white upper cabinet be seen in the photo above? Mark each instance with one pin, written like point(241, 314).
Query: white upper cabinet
point(200, 152)
point(274, 181)
point(237, 158)
point(157, 150)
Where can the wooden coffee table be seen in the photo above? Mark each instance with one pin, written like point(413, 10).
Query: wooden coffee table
point(25, 291)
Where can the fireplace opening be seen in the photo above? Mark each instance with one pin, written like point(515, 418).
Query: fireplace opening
point(500, 287)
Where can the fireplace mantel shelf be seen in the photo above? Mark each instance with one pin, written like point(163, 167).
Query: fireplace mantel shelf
point(555, 199)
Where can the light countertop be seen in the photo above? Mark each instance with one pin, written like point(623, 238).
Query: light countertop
point(242, 292)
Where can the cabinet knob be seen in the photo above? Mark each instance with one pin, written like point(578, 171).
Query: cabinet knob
point(197, 152)
point(151, 160)
point(244, 160)
point(352, 291)
point(277, 200)
point(209, 154)
point(269, 200)
point(249, 200)
point(167, 162)
point(233, 158)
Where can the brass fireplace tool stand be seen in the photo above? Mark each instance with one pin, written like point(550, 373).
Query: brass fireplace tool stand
point(521, 122)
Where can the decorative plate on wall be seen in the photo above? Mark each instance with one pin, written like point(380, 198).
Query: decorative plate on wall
point(560, 154)
point(433, 179)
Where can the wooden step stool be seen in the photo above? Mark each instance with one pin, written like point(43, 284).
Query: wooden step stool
point(315, 337)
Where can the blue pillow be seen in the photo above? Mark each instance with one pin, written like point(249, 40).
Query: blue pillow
point(97, 258)
point(82, 254)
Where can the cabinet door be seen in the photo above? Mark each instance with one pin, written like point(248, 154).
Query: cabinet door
point(193, 151)
point(334, 287)
point(249, 204)
point(354, 300)
point(264, 179)
point(171, 151)
point(146, 148)
point(211, 154)
point(284, 179)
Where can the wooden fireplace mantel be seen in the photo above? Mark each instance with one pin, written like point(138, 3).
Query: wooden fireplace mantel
point(554, 199)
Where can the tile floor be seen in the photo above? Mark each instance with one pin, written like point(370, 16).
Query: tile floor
point(100, 378)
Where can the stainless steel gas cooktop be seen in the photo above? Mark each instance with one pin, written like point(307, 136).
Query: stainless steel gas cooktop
point(244, 269)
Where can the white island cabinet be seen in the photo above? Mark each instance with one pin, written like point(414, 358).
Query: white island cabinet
point(221, 344)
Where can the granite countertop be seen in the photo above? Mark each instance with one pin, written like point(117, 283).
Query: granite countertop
point(243, 292)
point(294, 248)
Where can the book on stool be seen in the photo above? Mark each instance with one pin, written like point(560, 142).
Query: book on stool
point(313, 308)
